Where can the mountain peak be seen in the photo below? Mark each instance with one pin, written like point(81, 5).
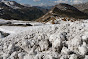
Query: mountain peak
point(14, 10)
point(11, 4)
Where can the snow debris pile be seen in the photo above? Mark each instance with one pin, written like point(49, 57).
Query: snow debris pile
point(67, 40)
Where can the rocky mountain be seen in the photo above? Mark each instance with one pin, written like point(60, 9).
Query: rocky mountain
point(82, 7)
point(63, 10)
point(14, 10)
point(86, 11)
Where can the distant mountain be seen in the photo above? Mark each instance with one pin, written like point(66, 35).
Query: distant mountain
point(26, 5)
point(46, 7)
point(45, 10)
point(63, 10)
point(14, 10)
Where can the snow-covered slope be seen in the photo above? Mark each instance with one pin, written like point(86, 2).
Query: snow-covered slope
point(13, 10)
point(66, 40)
point(11, 4)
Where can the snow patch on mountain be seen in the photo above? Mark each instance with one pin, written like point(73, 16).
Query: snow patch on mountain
point(11, 4)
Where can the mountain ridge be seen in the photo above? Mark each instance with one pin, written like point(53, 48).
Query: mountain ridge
point(82, 7)
point(14, 10)
point(63, 10)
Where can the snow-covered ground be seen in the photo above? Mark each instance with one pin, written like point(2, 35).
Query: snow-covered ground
point(65, 40)
point(17, 29)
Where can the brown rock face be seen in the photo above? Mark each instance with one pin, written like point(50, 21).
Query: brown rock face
point(66, 10)
point(63, 10)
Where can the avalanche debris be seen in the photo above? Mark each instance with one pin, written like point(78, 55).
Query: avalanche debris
point(57, 41)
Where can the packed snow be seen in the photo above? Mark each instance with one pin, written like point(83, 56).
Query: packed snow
point(65, 40)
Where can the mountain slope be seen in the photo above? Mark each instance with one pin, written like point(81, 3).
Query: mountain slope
point(13, 10)
point(63, 10)
point(44, 10)
point(82, 7)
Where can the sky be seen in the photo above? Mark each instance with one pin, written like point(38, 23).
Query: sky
point(49, 2)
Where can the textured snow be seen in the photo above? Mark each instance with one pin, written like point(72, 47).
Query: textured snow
point(66, 40)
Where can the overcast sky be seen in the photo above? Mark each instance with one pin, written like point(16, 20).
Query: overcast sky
point(49, 2)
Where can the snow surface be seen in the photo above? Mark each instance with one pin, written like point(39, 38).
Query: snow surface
point(66, 40)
